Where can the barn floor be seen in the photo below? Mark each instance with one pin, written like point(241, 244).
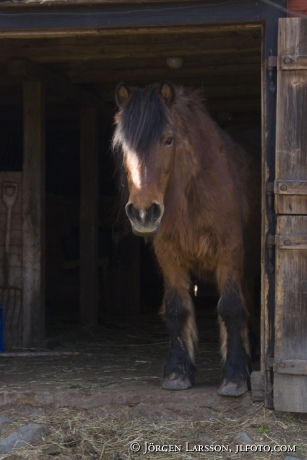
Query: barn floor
point(107, 394)
point(124, 356)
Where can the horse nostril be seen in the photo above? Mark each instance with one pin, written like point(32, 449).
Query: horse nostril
point(142, 216)
point(132, 212)
point(154, 212)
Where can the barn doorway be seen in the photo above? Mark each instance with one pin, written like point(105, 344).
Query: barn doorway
point(225, 63)
point(225, 49)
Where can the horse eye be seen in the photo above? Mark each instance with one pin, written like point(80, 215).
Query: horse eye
point(168, 141)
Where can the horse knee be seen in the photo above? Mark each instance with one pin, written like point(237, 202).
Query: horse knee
point(231, 304)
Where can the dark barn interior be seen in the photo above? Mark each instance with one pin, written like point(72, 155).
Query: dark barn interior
point(224, 61)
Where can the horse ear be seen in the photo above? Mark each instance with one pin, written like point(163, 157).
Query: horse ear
point(122, 93)
point(168, 92)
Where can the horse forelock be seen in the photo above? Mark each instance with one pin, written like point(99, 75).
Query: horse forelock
point(141, 122)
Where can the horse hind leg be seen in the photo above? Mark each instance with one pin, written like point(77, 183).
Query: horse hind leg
point(234, 341)
point(178, 312)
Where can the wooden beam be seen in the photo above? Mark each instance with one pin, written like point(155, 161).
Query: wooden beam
point(89, 217)
point(43, 3)
point(128, 31)
point(120, 47)
point(29, 71)
point(99, 74)
point(33, 214)
point(127, 15)
point(246, 90)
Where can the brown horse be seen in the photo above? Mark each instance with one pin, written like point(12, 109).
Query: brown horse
point(196, 193)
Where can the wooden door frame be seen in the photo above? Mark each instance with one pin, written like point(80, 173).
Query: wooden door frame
point(52, 18)
point(269, 82)
point(69, 19)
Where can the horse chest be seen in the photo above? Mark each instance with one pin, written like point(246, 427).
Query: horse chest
point(193, 250)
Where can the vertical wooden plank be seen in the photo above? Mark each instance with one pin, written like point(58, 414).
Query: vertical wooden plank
point(290, 391)
point(270, 33)
point(291, 141)
point(33, 214)
point(89, 217)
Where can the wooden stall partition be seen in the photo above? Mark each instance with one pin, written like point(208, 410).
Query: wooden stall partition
point(33, 214)
point(290, 357)
point(11, 281)
point(89, 217)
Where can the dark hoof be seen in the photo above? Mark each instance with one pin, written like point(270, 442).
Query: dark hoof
point(176, 382)
point(228, 388)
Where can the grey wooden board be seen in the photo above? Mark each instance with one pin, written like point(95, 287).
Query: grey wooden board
point(290, 391)
point(291, 138)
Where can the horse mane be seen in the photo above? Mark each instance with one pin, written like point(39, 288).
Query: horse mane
point(140, 122)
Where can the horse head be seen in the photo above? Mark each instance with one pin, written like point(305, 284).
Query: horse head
point(144, 141)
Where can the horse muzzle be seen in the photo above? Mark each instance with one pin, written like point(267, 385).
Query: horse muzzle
point(144, 232)
point(145, 222)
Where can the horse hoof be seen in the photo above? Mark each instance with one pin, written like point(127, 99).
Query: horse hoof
point(176, 382)
point(228, 388)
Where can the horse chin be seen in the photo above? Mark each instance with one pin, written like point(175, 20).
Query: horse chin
point(145, 232)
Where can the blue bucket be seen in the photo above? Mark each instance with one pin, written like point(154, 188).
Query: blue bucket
point(1, 330)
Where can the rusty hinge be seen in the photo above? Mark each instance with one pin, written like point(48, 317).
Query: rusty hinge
point(272, 66)
point(270, 200)
point(272, 62)
point(270, 187)
point(271, 241)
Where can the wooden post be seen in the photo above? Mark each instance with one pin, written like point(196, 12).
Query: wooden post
point(268, 216)
point(33, 214)
point(89, 217)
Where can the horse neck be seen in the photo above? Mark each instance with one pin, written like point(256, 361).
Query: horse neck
point(197, 179)
point(195, 154)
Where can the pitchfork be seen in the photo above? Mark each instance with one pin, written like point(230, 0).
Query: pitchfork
point(10, 296)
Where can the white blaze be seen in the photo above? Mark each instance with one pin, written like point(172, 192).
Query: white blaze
point(134, 167)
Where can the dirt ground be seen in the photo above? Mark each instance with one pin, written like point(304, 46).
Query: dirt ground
point(105, 401)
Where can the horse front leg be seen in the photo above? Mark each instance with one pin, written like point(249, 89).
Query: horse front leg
point(178, 312)
point(234, 341)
